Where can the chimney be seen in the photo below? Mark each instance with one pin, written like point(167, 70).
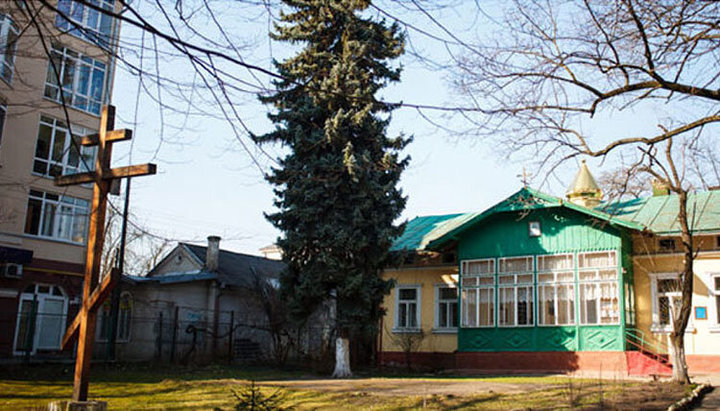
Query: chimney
point(213, 253)
point(659, 188)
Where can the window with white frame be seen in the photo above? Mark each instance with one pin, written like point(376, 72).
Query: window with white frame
point(57, 152)
point(515, 291)
point(478, 293)
point(598, 283)
point(56, 216)
point(407, 309)
point(123, 319)
point(715, 296)
point(76, 78)
point(79, 18)
point(556, 289)
point(666, 300)
point(446, 307)
point(8, 45)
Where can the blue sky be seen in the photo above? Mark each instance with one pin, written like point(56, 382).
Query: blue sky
point(208, 185)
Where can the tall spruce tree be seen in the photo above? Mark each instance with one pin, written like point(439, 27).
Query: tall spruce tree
point(336, 190)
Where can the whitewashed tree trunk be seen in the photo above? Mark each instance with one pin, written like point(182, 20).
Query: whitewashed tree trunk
point(342, 358)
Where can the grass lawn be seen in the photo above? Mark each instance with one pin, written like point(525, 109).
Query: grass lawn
point(165, 387)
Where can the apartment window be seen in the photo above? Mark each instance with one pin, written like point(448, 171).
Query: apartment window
point(515, 291)
point(8, 43)
point(666, 299)
point(56, 216)
point(598, 283)
point(407, 311)
point(556, 289)
point(123, 320)
point(80, 19)
point(478, 293)
point(79, 79)
point(446, 307)
point(57, 152)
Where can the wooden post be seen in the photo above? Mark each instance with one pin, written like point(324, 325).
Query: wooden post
point(174, 335)
point(231, 331)
point(160, 335)
point(93, 293)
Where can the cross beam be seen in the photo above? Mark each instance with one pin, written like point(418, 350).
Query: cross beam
point(94, 294)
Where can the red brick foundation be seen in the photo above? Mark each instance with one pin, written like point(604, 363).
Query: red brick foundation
point(703, 364)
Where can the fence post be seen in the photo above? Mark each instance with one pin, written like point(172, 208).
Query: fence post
point(231, 331)
point(174, 335)
point(160, 335)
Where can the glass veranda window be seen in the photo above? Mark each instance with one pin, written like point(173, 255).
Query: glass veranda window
point(599, 294)
point(478, 293)
point(54, 216)
point(57, 152)
point(8, 46)
point(76, 79)
point(515, 291)
point(556, 290)
point(82, 20)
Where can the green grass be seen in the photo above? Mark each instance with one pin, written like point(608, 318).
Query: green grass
point(166, 387)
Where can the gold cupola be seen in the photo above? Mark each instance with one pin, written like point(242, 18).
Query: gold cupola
point(584, 191)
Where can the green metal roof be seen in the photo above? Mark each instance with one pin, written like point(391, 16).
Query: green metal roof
point(659, 214)
point(529, 199)
point(421, 230)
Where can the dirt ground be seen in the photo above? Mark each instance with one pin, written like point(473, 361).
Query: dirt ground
point(411, 386)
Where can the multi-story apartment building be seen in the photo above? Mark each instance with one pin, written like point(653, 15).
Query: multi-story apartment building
point(47, 55)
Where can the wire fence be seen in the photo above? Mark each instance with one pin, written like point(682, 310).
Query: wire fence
point(176, 335)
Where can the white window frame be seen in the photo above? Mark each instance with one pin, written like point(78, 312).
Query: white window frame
point(714, 309)
point(515, 285)
point(41, 299)
point(8, 47)
point(48, 163)
point(78, 208)
point(656, 327)
point(418, 307)
point(73, 92)
point(437, 326)
point(596, 282)
point(554, 285)
point(479, 283)
point(81, 15)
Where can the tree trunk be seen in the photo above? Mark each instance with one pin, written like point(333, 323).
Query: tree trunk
point(680, 373)
point(342, 358)
point(681, 317)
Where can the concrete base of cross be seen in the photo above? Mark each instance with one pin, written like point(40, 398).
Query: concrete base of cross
point(78, 406)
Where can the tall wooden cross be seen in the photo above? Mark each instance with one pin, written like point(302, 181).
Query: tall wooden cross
point(93, 293)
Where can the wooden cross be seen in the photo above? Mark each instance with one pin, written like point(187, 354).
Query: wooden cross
point(93, 293)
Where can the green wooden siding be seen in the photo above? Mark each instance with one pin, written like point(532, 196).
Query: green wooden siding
point(563, 231)
point(560, 338)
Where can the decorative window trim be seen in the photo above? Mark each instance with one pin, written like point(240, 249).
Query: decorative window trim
point(714, 305)
point(477, 284)
point(655, 326)
point(8, 46)
point(436, 324)
point(418, 308)
point(598, 278)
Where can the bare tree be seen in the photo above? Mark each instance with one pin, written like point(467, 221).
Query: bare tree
point(556, 70)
